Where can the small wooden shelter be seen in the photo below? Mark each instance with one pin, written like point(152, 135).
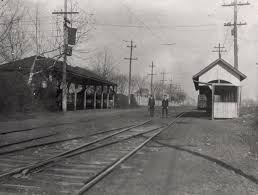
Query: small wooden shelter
point(220, 85)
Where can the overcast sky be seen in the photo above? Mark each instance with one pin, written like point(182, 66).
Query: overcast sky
point(195, 26)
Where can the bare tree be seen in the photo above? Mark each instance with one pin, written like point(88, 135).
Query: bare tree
point(158, 89)
point(122, 82)
point(14, 41)
point(176, 94)
point(139, 83)
point(104, 65)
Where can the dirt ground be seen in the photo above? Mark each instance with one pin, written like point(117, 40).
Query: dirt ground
point(197, 156)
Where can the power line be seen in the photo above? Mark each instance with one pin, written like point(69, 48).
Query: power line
point(156, 26)
point(141, 21)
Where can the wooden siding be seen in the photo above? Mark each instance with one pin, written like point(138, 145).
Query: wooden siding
point(225, 110)
point(220, 73)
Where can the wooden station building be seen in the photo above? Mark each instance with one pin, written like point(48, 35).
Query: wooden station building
point(219, 86)
point(86, 90)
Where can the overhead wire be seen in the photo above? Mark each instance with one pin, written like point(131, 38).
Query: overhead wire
point(141, 21)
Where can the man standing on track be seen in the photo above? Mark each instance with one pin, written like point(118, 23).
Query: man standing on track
point(165, 106)
point(151, 105)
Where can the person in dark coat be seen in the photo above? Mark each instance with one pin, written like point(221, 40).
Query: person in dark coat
point(165, 106)
point(151, 105)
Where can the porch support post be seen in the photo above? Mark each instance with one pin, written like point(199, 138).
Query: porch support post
point(85, 98)
point(75, 97)
point(95, 97)
point(101, 103)
point(238, 100)
point(113, 106)
point(212, 100)
point(107, 97)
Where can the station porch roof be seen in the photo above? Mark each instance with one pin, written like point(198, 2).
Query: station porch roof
point(45, 63)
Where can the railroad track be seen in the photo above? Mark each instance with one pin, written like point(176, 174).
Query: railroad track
point(76, 170)
point(53, 125)
point(42, 126)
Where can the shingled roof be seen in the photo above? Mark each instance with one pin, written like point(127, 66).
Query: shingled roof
point(24, 66)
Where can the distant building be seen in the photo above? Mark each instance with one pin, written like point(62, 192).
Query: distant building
point(143, 92)
point(219, 84)
point(142, 96)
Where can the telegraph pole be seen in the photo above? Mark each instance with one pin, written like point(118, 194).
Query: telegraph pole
point(170, 85)
point(37, 42)
point(64, 88)
point(219, 50)
point(163, 77)
point(163, 81)
point(131, 46)
point(152, 74)
point(256, 82)
point(234, 31)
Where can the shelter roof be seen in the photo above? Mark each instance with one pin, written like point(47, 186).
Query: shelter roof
point(222, 63)
point(44, 63)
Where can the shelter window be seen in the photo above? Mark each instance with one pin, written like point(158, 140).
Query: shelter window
point(225, 94)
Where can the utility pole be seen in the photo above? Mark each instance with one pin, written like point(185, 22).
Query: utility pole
point(64, 85)
point(37, 42)
point(220, 49)
point(170, 85)
point(163, 77)
point(170, 88)
point(131, 46)
point(256, 82)
point(152, 74)
point(163, 81)
point(234, 30)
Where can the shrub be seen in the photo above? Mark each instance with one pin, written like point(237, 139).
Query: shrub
point(15, 94)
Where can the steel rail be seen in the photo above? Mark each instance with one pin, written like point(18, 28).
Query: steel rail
point(115, 129)
point(94, 148)
point(109, 169)
point(27, 140)
point(39, 145)
point(48, 160)
point(43, 126)
point(57, 141)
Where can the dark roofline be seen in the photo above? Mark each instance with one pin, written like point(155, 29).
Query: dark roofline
point(70, 69)
point(17, 61)
point(210, 66)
